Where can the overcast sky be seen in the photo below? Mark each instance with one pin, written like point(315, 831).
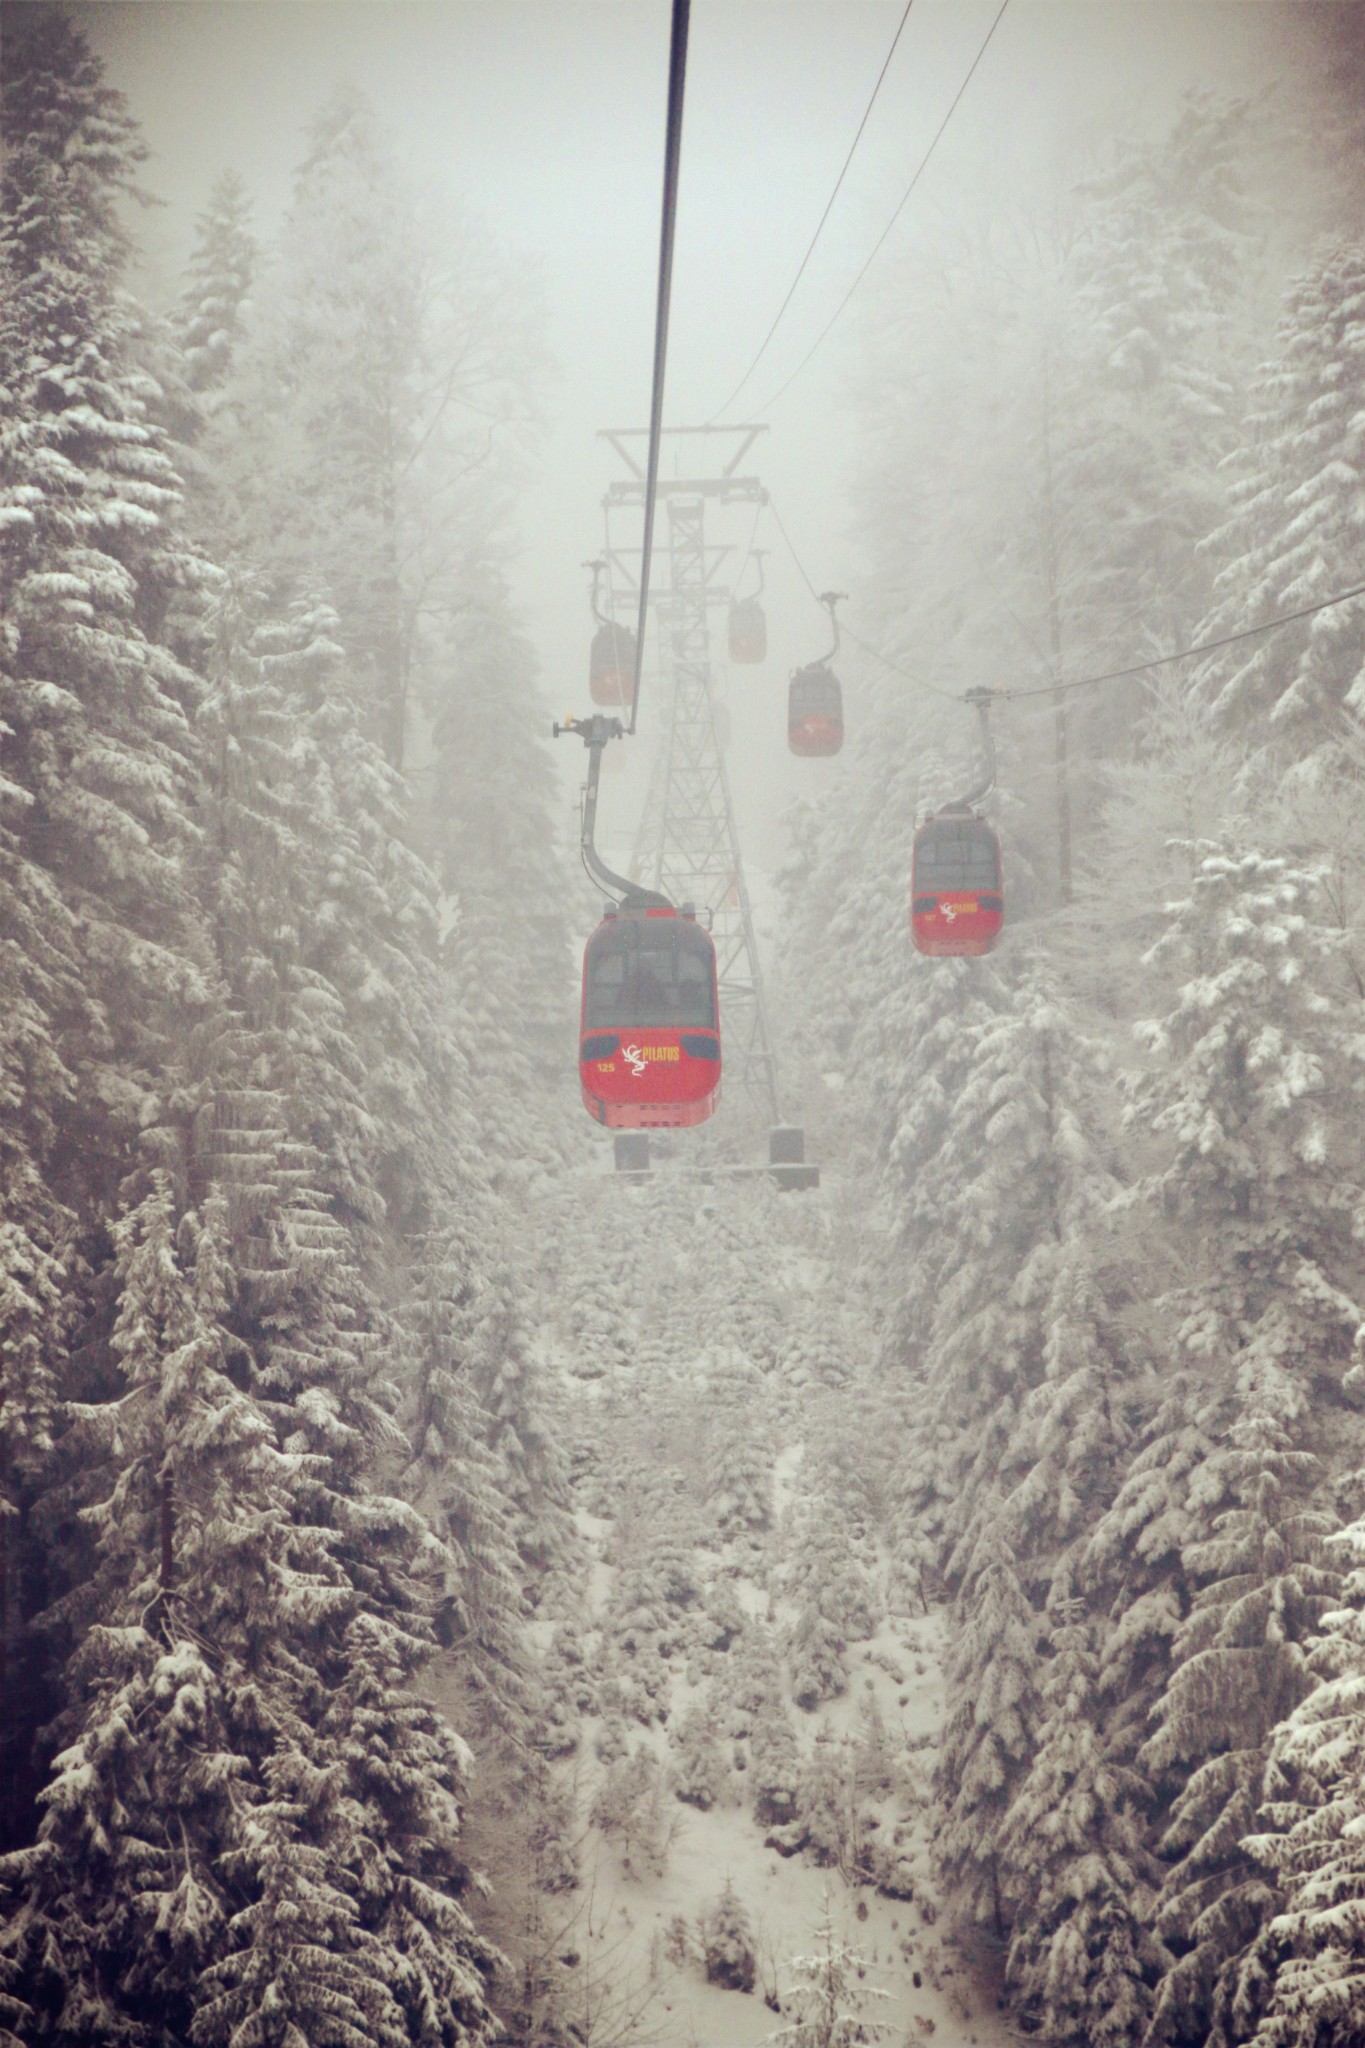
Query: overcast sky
point(546, 119)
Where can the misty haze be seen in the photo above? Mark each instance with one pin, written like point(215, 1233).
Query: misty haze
point(682, 1226)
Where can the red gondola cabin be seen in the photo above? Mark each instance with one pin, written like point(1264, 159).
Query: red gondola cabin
point(815, 711)
point(611, 665)
point(649, 1036)
point(748, 630)
point(957, 904)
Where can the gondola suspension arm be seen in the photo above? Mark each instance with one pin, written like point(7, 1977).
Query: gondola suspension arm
point(596, 732)
point(980, 700)
point(598, 570)
point(829, 598)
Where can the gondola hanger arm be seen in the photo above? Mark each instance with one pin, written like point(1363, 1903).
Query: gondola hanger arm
point(598, 570)
point(596, 733)
point(830, 598)
point(980, 700)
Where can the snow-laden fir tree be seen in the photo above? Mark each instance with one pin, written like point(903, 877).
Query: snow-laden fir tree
point(1293, 537)
point(1254, 1086)
point(1012, 1175)
point(828, 1992)
point(460, 1491)
point(699, 1772)
point(1300, 1985)
point(1081, 1961)
point(727, 1942)
point(371, 340)
point(737, 1474)
point(994, 1708)
point(98, 776)
point(255, 1821)
point(102, 963)
point(218, 285)
point(828, 1573)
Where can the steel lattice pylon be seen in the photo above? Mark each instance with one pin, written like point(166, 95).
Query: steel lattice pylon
point(688, 846)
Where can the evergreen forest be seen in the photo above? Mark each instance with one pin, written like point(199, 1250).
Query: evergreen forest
point(413, 1537)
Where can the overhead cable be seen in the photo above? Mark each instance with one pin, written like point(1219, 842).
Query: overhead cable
point(1142, 668)
point(784, 388)
point(677, 69)
point(820, 226)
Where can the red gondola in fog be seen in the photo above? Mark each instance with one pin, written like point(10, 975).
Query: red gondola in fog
point(748, 633)
point(748, 630)
point(815, 698)
point(957, 903)
point(649, 1034)
point(611, 665)
point(815, 711)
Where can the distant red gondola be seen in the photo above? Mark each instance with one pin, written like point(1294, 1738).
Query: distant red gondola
point(815, 711)
point(611, 665)
point(957, 903)
point(649, 1036)
point(748, 630)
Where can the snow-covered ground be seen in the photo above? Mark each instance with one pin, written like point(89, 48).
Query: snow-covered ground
point(735, 1632)
point(934, 1985)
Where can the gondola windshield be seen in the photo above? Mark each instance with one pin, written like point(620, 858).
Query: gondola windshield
point(815, 693)
point(956, 854)
point(652, 972)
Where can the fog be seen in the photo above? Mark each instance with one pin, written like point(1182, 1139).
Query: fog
point(545, 122)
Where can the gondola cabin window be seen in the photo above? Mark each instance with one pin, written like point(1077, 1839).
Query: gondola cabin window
point(651, 972)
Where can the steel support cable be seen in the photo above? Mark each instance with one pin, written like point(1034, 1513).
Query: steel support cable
point(820, 228)
point(784, 388)
point(1197, 647)
point(934, 689)
point(677, 69)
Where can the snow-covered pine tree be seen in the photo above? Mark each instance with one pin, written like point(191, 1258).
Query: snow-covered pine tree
point(699, 1772)
point(102, 964)
point(1082, 1961)
point(826, 1575)
point(460, 1490)
point(218, 286)
point(995, 1216)
point(373, 334)
point(774, 1777)
point(1165, 269)
point(511, 1393)
point(1254, 1087)
point(727, 1942)
point(98, 774)
point(1299, 1985)
point(483, 815)
point(829, 1994)
point(1293, 536)
point(737, 1474)
point(255, 1820)
point(990, 1729)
